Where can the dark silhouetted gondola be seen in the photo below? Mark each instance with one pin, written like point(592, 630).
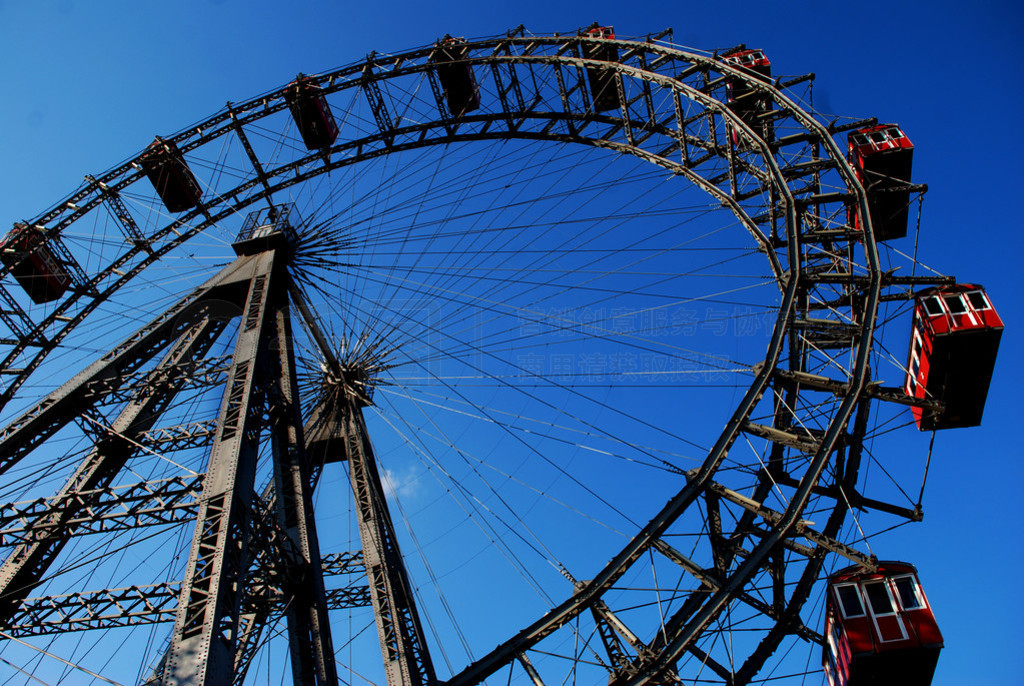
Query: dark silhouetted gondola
point(604, 89)
point(33, 264)
point(170, 176)
point(458, 82)
point(745, 100)
point(311, 113)
point(882, 157)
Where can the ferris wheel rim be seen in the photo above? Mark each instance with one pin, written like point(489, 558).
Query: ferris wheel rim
point(858, 377)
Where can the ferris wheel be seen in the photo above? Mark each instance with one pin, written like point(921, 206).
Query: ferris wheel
point(526, 359)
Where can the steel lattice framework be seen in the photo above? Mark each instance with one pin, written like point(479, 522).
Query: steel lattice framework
point(254, 561)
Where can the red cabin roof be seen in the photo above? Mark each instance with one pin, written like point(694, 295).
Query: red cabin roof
point(953, 349)
point(600, 32)
point(880, 629)
point(754, 60)
point(873, 140)
point(954, 309)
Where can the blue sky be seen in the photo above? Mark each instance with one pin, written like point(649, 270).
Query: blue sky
point(86, 85)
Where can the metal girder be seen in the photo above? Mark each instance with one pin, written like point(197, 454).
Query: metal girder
point(612, 639)
point(725, 674)
point(44, 419)
point(711, 583)
point(124, 218)
point(802, 528)
point(840, 388)
point(505, 92)
point(377, 102)
point(25, 565)
point(111, 508)
point(806, 443)
point(135, 605)
point(789, 621)
point(343, 563)
point(202, 649)
point(254, 621)
point(309, 631)
point(95, 610)
point(186, 374)
point(180, 436)
point(565, 94)
point(406, 659)
point(442, 105)
point(250, 153)
point(614, 633)
point(17, 320)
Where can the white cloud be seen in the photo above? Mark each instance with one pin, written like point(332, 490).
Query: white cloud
point(403, 483)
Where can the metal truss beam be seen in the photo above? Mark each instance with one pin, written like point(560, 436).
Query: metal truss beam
point(196, 373)
point(111, 508)
point(406, 659)
point(135, 605)
point(614, 643)
point(17, 320)
point(614, 634)
point(802, 528)
point(309, 631)
point(49, 530)
point(711, 583)
point(378, 104)
point(124, 218)
point(61, 406)
point(180, 436)
point(202, 649)
point(244, 140)
point(95, 610)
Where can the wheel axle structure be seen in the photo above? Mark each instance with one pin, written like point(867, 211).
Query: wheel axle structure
point(542, 384)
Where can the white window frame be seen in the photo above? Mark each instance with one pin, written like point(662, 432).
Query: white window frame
point(916, 345)
point(860, 599)
point(968, 310)
point(918, 595)
point(986, 305)
point(933, 298)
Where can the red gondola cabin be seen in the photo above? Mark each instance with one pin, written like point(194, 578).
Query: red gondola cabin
point(882, 157)
point(458, 82)
point(744, 100)
point(879, 628)
point(311, 113)
point(953, 349)
point(603, 87)
point(26, 251)
point(170, 176)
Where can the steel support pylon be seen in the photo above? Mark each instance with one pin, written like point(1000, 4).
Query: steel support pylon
point(261, 387)
point(215, 623)
point(406, 658)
